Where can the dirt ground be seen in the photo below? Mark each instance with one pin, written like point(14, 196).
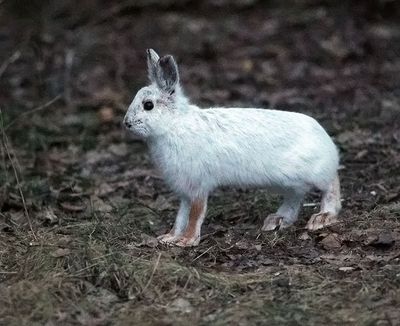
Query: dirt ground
point(81, 205)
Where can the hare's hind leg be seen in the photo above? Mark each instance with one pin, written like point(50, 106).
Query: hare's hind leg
point(179, 225)
point(330, 207)
point(286, 214)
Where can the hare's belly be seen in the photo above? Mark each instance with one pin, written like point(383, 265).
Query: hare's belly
point(261, 172)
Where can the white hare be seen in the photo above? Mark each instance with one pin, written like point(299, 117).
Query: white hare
point(198, 150)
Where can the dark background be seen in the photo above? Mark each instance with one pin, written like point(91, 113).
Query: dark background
point(81, 205)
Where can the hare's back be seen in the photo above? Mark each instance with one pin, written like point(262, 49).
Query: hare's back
point(256, 142)
point(272, 125)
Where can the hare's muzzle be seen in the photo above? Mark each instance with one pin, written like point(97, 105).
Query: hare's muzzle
point(127, 123)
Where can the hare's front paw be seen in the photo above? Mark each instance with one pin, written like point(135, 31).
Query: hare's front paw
point(168, 238)
point(321, 220)
point(274, 222)
point(188, 241)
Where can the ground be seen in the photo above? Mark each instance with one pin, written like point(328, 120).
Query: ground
point(81, 205)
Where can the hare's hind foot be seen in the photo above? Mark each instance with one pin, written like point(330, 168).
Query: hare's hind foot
point(286, 214)
point(274, 222)
point(178, 240)
point(330, 207)
point(187, 241)
point(321, 220)
point(168, 238)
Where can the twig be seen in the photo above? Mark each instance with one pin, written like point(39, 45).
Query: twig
point(6, 148)
point(76, 274)
point(69, 60)
point(203, 253)
point(14, 57)
point(3, 157)
point(39, 108)
point(152, 273)
point(310, 204)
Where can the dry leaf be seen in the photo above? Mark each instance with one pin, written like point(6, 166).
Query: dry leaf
point(50, 217)
point(383, 240)
point(106, 114)
point(118, 149)
point(100, 205)
point(148, 241)
point(60, 252)
point(258, 247)
point(331, 241)
point(72, 207)
point(304, 236)
point(181, 305)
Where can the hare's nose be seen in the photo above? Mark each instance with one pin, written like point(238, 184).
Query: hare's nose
point(127, 123)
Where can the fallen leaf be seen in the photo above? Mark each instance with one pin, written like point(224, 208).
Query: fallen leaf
point(100, 206)
point(335, 46)
point(383, 240)
point(180, 305)
point(258, 247)
point(242, 244)
point(304, 236)
point(106, 114)
point(72, 207)
point(118, 149)
point(49, 217)
point(331, 241)
point(361, 154)
point(161, 203)
point(60, 252)
point(148, 241)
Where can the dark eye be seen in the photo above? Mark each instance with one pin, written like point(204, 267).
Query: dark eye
point(148, 105)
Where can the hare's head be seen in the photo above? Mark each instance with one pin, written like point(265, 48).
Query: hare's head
point(154, 108)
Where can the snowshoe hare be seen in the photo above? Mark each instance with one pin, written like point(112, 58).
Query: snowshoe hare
point(198, 150)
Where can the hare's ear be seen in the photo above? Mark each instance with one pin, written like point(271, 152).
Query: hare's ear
point(152, 65)
point(168, 75)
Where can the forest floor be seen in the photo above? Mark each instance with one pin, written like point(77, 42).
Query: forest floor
point(78, 227)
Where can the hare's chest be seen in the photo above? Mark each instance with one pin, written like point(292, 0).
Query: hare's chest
point(178, 165)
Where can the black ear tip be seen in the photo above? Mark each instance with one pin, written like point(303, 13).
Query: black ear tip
point(165, 60)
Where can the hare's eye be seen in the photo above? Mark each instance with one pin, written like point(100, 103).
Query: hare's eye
point(148, 105)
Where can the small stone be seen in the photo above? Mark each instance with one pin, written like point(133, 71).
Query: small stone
point(181, 305)
point(257, 247)
point(304, 236)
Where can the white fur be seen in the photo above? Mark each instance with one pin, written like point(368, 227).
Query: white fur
point(198, 150)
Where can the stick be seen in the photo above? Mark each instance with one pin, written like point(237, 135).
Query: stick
point(6, 148)
point(39, 108)
point(14, 57)
point(152, 273)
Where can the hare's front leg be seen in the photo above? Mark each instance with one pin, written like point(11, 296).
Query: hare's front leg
point(180, 224)
point(286, 214)
point(191, 236)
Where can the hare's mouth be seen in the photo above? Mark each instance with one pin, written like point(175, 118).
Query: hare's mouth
point(138, 129)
